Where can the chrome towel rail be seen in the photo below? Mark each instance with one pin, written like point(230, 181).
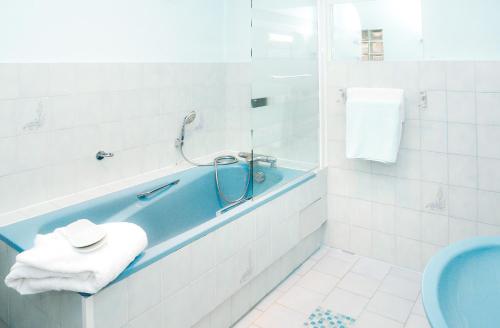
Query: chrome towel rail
point(156, 190)
point(230, 206)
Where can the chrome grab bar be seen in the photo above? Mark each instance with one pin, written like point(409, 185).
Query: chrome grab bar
point(230, 206)
point(160, 188)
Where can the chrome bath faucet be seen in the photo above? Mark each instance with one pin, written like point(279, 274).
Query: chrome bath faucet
point(271, 160)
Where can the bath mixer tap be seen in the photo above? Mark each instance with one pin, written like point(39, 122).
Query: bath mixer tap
point(271, 160)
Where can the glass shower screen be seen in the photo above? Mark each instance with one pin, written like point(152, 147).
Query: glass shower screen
point(284, 74)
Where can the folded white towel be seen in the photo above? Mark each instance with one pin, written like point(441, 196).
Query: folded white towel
point(53, 264)
point(374, 123)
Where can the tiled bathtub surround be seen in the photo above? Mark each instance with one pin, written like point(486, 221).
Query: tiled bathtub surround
point(217, 278)
point(446, 183)
point(55, 117)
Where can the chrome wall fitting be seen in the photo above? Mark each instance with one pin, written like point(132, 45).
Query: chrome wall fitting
point(101, 154)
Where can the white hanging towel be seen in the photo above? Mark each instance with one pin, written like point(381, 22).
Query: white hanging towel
point(374, 123)
point(53, 264)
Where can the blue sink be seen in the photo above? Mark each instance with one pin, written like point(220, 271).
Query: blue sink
point(461, 285)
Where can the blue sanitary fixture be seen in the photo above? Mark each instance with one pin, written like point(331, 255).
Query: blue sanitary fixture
point(461, 285)
point(172, 217)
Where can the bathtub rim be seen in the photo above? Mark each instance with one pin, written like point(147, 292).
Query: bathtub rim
point(434, 271)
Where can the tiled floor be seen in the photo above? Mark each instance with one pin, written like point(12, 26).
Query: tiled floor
point(374, 293)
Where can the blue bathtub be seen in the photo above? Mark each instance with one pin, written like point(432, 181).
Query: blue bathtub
point(173, 218)
point(461, 285)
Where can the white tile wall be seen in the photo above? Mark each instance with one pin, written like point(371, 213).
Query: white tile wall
point(446, 184)
point(55, 117)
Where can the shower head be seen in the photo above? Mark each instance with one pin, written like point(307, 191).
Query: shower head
point(190, 117)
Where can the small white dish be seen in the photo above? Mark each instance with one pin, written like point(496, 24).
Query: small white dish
point(91, 248)
point(84, 233)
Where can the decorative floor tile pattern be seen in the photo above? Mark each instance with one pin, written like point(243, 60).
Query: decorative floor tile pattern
point(322, 318)
point(324, 285)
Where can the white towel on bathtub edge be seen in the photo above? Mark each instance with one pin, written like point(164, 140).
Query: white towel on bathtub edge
point(53, 264)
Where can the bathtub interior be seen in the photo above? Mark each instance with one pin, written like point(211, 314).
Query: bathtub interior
point(188, 204)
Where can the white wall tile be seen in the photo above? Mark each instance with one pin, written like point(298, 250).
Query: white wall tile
point(62, 79)
point(486, 145)
point(221, 316)
point(460, 76)
point(110, 306)
point(383, 217)
point(360, 213)
point(489, 174)
point(33, 80)
point(176, 271)
point(487, 76)
point(204, 294)
point(203, 255)
point(8, 115)
point(462, 139)
point(463, 202)
point(338, 234)
point(150, 319)
point(143, 290)
point(384, 168)
point(436, 107)
point(408, 253)
point(9, 81)
point(428, 251)
point(339, 208)
point(434, 136)
point(408, 223)
point(383, 189)
point(434, 167)
point(434, 197)
point(408, 193)
point(463, 171)
point(384, 246)
point(461, 229)
point(177, 309)
point(409, 164)
point(488, 229)
point(435, 229)
point(461, 107)
point(361, 241)
point(432, 75)
point(411, 134)
point(488, 207)
point(488, 108)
